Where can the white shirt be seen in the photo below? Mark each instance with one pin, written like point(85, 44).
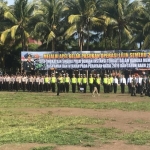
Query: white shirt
point(115, 80)
point(123, 80)
point(129, 80)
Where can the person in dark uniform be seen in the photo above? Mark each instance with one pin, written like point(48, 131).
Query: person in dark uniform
point(58, 84)
point(133, 86)
point(28, 65)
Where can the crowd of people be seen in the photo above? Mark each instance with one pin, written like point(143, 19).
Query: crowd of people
point(39, 83)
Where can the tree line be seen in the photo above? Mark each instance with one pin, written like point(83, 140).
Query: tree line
point(72, 25)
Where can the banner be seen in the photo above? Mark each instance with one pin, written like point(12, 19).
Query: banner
point(129, 59)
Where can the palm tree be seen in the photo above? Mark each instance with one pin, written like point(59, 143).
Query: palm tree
point(146, 28)
point(51, 21)
point(19, 18)
point(82, 18)
point(120, 12)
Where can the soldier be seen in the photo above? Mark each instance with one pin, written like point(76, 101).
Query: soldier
point(91, 79)
point(143, 86)
point(133, 86)
point(148, 86)
point(63, 83)
point(74, 82)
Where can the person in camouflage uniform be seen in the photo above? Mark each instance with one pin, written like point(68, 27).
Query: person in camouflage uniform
point(148, 86)
point(143, 86)
point(133, 86)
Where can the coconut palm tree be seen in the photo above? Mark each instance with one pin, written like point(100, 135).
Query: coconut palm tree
point(50, 24)
point(82, 17)
point(19, 18)
point(119, 11)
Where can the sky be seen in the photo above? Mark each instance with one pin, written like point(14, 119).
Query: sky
point(11, 2)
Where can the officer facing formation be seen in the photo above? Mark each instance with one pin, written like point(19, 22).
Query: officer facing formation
point(133, 86)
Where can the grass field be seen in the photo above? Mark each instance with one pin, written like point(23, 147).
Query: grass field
point(44, 121)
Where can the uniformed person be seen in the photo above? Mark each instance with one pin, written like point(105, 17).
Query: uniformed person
point(28, 65)
point(91, 80)
point(58, 84)
point(111, 84)
point(79, 82)
point(46, 80)
point(84, 82)
point(67, 82)
point(143, 86)
point(105, 82)
point(53, 82)
point(73, 82)
point(129, 80)
point(98, 82)
point(1, 82)
point(133, 86)
point(122, 84)
point(115, 84)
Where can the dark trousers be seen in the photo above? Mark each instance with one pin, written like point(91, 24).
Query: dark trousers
point(98, 87)
point(105, 88)
point(53, 87)
point(84, 86)
point(46, 87)
point(58, 89)
point(129, 87)
point(23, 86)
point(17, 86)
point(115, 87)
point(91, 87)
point(122, 87)
point(73, 87)
point(41, 87)
point(1, 86)
point(67, 87)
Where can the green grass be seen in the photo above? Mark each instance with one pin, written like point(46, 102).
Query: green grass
point(43, 100)
point(17, 126)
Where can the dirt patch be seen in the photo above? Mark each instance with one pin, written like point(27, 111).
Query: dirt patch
point(116, 145)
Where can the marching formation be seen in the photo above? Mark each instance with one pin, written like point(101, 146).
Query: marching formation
point(32, 83)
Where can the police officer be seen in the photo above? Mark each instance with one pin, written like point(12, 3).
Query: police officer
point(53, 82)
point(29, 64)
point(84, 82)
point(98, 82)
point(73, 81)
point(105, 81)
point(91, 80)
point(67, 82)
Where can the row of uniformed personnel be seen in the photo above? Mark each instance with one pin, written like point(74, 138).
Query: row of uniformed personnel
point(40, 83)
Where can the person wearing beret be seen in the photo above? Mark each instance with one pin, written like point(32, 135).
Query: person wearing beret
point(28, 65)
